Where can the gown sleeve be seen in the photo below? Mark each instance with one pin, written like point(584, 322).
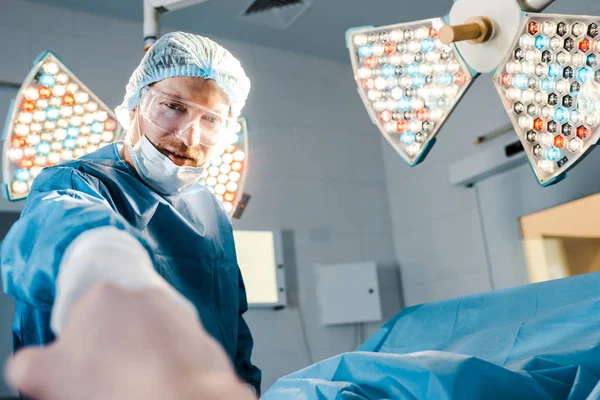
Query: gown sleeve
point(63, 203)
point(247, 371)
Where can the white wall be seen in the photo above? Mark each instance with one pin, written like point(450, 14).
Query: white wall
point(436, 227)
point(315, 160)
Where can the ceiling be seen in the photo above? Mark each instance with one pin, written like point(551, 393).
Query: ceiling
point(319, 32)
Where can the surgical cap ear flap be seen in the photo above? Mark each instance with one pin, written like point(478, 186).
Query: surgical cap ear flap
point(134, 133)
point(185, 54)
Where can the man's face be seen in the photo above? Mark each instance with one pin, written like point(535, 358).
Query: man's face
point(204, 92)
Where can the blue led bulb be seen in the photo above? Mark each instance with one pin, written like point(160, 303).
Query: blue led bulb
point(216, 162)
point(520, 81)
point(22, 174)
point(553, 154)
point(52, 113)
point(591, 60)
point(541, 42)
point(365, 51)
point(69, 143)
point(427, 45)
point(560, 114)
point(547, 85)
point(583, 74)
point(412, 69)
point(408, 137)
point(419, 80)
point(554, 71)
point(445, 79)
point(43, 148)
point(97, 127)
point(73, 131)
point(388, 70)
point(404, 104)
point(47, 80)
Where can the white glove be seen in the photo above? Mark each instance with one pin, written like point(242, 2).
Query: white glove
point(104, 254)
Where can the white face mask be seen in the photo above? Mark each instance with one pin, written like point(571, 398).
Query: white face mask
point(159, 172)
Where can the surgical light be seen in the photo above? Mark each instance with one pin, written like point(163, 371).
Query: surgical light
point(227, 170)
point(41, 129)
point(546, 72)
point(569, 130)
point(429, 80)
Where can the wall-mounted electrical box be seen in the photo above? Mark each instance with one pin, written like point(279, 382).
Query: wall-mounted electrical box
point(348, 293)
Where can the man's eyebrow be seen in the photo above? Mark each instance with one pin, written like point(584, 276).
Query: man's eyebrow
point(175, 94)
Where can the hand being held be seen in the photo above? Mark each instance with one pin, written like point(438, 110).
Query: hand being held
point(125, 344)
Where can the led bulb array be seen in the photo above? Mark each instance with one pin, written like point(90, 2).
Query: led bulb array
point(227, 170)
point(550, 87)
point(54, 118)
point(408, 80)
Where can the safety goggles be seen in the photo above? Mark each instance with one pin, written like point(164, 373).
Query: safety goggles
point(178, 116)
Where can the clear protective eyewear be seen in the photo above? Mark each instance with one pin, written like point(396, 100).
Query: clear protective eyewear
point(177, 116)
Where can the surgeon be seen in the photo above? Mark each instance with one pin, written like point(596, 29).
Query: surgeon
point(136, 213)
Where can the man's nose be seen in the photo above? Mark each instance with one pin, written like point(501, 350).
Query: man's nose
point(191, 136)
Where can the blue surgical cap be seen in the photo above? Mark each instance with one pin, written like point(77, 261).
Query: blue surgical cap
point(185, 54)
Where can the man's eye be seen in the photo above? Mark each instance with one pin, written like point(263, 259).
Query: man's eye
point(174, 106)
point(212, 120)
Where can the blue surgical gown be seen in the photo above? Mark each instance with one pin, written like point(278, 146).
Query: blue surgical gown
point(188, 235)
